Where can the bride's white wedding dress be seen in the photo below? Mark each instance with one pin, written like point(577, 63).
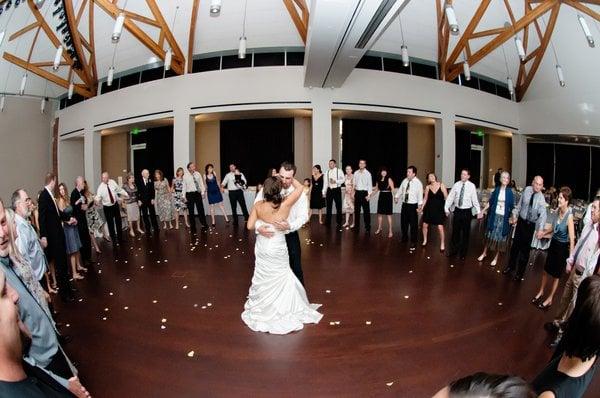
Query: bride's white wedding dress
point(277, 301)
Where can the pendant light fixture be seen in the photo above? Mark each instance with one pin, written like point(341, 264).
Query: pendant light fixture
point(509, 82)
point(23, 83)
point(2, 33)
point(2, 102)
point(243, 45)
point(43, 104)
point(111, 76)
point(559, 70)
point(466, 70)
point(452, 21)
point(520, 48)
point(71, 89)
point(215, 8)
point(586, 30)
point(118, 28)
point(560, 75)
point(57, 57)
point(403, 47)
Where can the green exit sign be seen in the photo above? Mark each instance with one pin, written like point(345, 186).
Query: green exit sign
point(480, 132)
point(135, 131)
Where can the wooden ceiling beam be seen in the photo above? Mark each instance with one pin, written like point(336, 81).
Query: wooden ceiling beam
point(520, 90)
point(584, 9)
point(111, 9)
point(80, 12)
point(192, 35)
point(79, 89)
point(141, 18)
point(443, 38)
point(178, 56)
point(468, 32)
point(488, 32)
point(90, 79)
point(24, 30)
point(511, 15)
point(300, 21)
point(528, 18)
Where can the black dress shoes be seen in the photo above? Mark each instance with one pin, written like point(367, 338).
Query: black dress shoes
point(506, 271)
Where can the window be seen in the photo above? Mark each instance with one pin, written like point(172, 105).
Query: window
point(369, 62)
point(149, 75)
point(130, 80)
point(473, 83)
point(424, 70)
point(295, 58)
point(232, 61)
point(269, 59)
point(395, 65)
point(206, 64)
point(502, 91)
point(487, 86)
point(106, 89)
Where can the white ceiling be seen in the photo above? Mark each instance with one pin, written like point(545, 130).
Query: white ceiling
point(268, 24)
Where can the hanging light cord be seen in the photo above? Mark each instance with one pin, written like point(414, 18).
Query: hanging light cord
point(244, 23)
point(401, 30)
point(9, 18)
point(551, 41)
point(174, 17)
point(505, 61)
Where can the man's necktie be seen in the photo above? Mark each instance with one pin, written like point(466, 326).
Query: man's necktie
point(196, 183)
point(461, 196)
point(406, 192)
point(110, 195)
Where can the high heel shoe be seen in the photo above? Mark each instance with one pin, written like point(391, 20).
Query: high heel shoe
point(132, 234)
point(544, 307)
point(424, 243)
point(213, 225)
point(390, 235)
point(494, 262)
point(536, 300)
point(345, 225)
point(442, 249)
point(141, 232)
point(482, 257)
point(378, 232)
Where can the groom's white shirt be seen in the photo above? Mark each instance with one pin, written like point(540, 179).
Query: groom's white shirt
point(298, 213)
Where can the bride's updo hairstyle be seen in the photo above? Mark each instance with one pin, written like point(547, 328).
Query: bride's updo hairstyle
point(272, 191)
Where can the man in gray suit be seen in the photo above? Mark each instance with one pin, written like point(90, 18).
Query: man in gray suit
point(45, 351)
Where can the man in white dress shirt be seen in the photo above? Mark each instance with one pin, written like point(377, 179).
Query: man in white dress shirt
point(297, 218)
point(363, 185)
point(332, 191)
point(463, 198)
point(27, 239)
point(235, 183)
point(107, 194)
point(411, 195)
point(194, 191)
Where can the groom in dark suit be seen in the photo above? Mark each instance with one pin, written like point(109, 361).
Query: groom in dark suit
point(52, 235)
point(297, 218)
point(146, 202)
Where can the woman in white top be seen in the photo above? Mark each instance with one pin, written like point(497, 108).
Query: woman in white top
point(502, 202)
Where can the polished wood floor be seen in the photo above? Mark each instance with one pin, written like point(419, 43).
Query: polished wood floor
point(409, 322)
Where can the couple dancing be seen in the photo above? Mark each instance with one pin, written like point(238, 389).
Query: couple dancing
point(277, 301)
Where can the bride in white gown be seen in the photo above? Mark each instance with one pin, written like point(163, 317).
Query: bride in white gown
point(277, 301)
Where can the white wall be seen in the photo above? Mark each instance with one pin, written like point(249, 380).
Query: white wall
point(25, 146)
point(70, 161)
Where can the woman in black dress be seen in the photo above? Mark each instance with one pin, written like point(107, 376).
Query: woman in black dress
point(385, 203)
point(317, 201)
point(433, 208)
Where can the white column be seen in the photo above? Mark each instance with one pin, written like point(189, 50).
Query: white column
point(322, 148)
point(92, 157)
point(519, 159)
point(445, 142)
point(184, 138)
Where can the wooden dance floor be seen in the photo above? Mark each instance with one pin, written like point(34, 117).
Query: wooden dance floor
point(160, 317)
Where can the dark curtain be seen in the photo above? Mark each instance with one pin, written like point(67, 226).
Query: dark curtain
point(573, 169)
point(256, 145)
point(158, 153)
point(462, 152)
point(540, 161)
point(379, 143)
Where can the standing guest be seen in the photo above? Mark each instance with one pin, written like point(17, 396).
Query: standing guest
point(18, 379)
point(44, 351)
point(561, 245)
point(27, 240)
point(385, 203)
point(587, 217)
point(317, 200)
point(498, 177)
point(531, 210)
point(501, 205)
point(332, 190)
point(52, 236)
point(95, 223)
point(131, 204)
point(433, 208)
point(235, 183)
point(463, 197)
point(146, 202)
point(193, 189)
point(363, 185)
point(572, 368)
point(214, 193)
point(80, 203)
point(179, 198)
point(272, 173)
point(307, 187)
point(581, 263)
point(296, 219)
point(107, 194)
point(348, 196)
point(163, 200)
point(411, 194)
point(72, 241)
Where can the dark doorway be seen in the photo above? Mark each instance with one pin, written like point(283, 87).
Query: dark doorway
point(155, 151)
point(468, 155)
point(256, 145)
point(379, 143)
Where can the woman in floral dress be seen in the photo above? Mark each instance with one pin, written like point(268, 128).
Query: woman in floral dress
point(348, 196)
point(163, 200)
point(179, 198)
